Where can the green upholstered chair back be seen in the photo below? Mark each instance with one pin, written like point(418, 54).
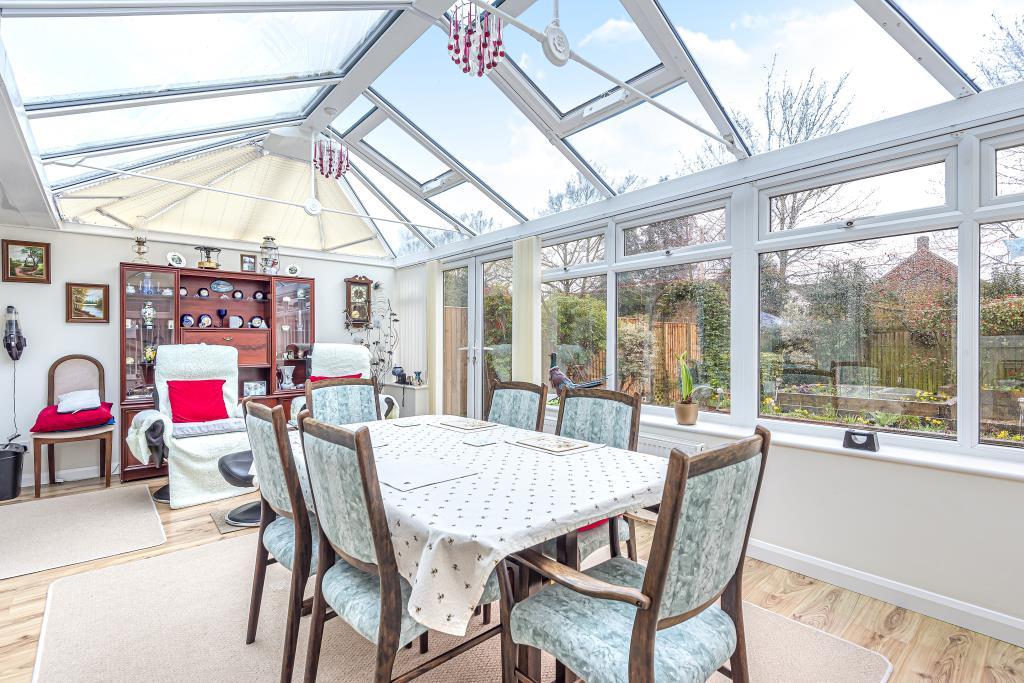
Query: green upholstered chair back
point(708, 541)
point(517, 404)
point(336, 478)
point(271, 453)
point(601, 416)
point(343, 401)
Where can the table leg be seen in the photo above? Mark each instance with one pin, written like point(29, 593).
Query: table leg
point(568, 554)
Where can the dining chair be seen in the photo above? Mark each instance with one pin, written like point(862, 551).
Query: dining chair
point(287, 527)
point(517, 404)
point(611, 418)
point(343, 401)
point(623, 622)
point(357, 574)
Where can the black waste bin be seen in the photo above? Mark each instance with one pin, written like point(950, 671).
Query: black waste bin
point(12, 460)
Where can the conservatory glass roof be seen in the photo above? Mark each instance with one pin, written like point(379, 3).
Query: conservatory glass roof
point(198, 117)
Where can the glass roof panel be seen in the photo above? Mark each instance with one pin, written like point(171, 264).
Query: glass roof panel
point(477, 124)
point(403, 151)
point(601, 31)
point(352, 114)
point(402, 240)
point(984, 37)
point(134, 123)
point(644, 145)
point(64, 174)
point(811, 48)
point(150, 53)
point(473, 208)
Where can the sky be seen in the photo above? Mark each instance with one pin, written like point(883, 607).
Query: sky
point(734, 42)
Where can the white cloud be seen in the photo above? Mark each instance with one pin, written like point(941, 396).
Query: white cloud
point(613, 31)
point(706, 49)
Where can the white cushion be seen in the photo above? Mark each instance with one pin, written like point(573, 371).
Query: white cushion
point(73, 401)
point(335, 360)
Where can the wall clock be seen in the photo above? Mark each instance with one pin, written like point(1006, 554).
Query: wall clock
point(357, 298)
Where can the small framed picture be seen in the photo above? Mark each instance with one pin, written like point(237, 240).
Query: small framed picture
point(257, 388)
point(248, 263)
point(26, 261)
point(87, 303)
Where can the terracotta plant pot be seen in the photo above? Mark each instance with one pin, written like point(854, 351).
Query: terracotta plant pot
point(686, 413)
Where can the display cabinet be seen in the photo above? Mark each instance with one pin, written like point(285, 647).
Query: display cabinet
point(268, 319)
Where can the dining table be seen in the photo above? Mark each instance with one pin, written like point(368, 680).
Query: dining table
point(458, 501)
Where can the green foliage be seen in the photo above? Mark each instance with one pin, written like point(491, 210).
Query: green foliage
point(635, 350)
point(685, 380)
point(712, 304)
point(574, 327)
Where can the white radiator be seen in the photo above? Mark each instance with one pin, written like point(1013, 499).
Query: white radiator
point(655, 445)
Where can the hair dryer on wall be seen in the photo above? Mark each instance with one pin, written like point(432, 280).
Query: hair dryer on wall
point(14, 340)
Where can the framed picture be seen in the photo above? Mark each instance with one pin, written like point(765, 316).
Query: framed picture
point(248, 263)
point(85, 303)
point(258, 388)
point(26, 261)
point(357, 294)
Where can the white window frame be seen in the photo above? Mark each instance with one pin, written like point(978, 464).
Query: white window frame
point(989, 148)
point(662, 214)
point(947, 154)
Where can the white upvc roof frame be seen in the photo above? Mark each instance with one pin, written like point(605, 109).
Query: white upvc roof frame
point(113, 8)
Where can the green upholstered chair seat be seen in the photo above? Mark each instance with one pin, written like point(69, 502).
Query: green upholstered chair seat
point(355, 596)
point(592, 636)
point(589, 541)
point(279, 540)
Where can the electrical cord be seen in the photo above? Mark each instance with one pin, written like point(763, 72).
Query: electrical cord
point(14, 402)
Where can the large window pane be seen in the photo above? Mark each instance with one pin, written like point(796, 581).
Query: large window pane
point(473, 208)
point(120, 125)
point(1010, 170)
point(819, 65)
point(670, 315)
point(455, 295)
point(862, 334)
point(573, 252)
point(151, 53)
point(675, 233)
point(404, 152)
point(913, 188)
point(497, 322)
point(1001, 351)
point(573, 315)
point(400, 238)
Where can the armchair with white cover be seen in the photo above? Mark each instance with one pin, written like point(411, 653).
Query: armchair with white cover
point(191, 449)
point(339, 360)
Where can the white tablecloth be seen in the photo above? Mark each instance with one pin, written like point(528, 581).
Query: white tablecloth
point(449, 537)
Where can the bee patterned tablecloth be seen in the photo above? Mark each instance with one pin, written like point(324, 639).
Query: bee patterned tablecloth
point(449, 536)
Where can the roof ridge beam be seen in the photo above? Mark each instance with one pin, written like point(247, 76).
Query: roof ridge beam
point(919, 45)
point(113, 8)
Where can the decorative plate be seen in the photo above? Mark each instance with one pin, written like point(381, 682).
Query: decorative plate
point(238, 294)
point(175, 259)
point(292, 270)
point(182, 291)
point(256, 321)
point(221, 286)
point(236, 321)
point(187, 320)
point(259, 296)
point(203, 292)
point(205, 321)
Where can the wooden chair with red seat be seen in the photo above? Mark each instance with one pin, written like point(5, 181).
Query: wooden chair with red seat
point(73, 373)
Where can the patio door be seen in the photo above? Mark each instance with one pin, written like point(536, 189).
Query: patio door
point(477, 331)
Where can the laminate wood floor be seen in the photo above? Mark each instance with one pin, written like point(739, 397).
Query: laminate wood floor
point(921, 649)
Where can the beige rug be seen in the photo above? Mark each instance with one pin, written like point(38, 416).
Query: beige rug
point(55, 532)
point(184, 614)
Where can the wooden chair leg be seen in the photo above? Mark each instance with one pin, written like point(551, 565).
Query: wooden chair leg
point(258, 577)
point(387, 651)
point(316, 632)
point(106, 458)
point(631, 549)
point(487, 614)
point(732, 604)
point(509, 653)
point(424, 643)
point(300, 574)
point(37, 456)
point(613, 537)
point(51, 462)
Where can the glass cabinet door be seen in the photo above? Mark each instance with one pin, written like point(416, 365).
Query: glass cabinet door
point(149, 321)
point(293, 333)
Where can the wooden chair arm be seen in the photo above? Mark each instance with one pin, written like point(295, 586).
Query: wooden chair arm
point(580, 582)
point(642, 516)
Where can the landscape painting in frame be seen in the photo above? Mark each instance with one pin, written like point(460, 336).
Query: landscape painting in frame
point(26, 261)
point(88, 303)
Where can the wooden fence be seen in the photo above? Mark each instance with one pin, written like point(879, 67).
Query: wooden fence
point(455, 370)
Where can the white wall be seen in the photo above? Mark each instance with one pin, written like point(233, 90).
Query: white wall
point(95, 259)
point(410, 295)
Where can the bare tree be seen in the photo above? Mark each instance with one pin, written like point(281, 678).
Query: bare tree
point(579, 191)
point(1002, 61)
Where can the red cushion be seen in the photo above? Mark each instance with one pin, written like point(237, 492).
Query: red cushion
point(197, 400)
point(321, 378)
point(50, 420)
point(592, 526)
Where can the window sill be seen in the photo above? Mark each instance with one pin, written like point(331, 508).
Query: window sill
point(978, 464)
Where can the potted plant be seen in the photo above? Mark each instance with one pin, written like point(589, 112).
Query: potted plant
point(686, 409)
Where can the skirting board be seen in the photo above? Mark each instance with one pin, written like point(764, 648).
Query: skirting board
point(973, 617)
point(73, 474)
